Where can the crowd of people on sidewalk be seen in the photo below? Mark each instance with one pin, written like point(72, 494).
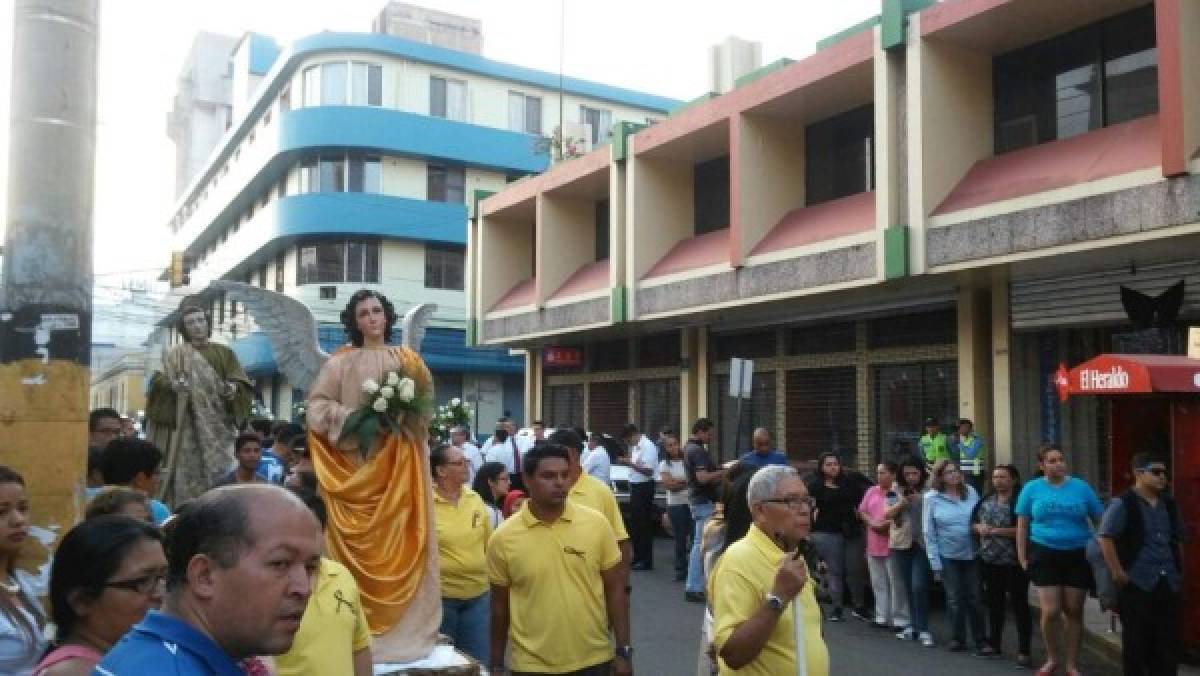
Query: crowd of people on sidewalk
point(536, 556)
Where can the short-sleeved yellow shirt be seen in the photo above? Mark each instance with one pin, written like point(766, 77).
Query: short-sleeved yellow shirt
point(462, 534)
point(591, 492)
point(739, 585)
point(333, 629)
point(557, 617)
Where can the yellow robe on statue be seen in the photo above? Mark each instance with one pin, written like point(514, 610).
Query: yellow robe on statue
point(381, 510)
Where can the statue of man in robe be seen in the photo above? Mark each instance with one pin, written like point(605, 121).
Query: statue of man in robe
point(195, 405)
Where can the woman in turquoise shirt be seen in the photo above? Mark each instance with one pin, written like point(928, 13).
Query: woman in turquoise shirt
point(1053, 530)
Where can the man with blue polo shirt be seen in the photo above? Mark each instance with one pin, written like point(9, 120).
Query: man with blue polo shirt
point(239, 573)
point(762, 454)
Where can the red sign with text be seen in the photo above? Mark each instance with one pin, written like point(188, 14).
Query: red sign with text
point(1135, 374)
point(562, 356)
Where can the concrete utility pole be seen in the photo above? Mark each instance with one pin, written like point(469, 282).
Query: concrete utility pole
point(46, 298)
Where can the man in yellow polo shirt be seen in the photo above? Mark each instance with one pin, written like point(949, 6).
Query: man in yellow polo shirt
point(333, 636)
point(557, 583)
point(589, 491)
point(758, 581)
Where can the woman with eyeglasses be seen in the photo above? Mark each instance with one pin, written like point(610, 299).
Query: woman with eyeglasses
point(463, 528)
point(951, 550)
point(1054, 523)
point(108, 572)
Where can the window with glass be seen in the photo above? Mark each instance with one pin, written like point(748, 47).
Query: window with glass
point(839, 156)
point(445, 184)
point(600, 121)
point(710, 195)
point(332, 174)
point(333, 84)
point(524, 113)
point(444, 266)
point(447, 98)
point(1099, 75)
point(337, 261)
point(341, 173)
point(364, 174)
point(602, 230)
point(312, 86)
point(366, 84)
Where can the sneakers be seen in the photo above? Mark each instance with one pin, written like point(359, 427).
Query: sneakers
point(906, 634)
point(860, 614)
point(694, 597)
point(956, 647)
point(927, 639)
point(836, 615)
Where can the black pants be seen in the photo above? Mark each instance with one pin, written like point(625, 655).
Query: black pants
point(602, 669)
point(1012, 582)
point(641, 511)
point(1149, 630)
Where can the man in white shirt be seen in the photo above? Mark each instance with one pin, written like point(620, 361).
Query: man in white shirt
point(643, 460)
point(506, 447)
point(461, 437)
point(596, 461)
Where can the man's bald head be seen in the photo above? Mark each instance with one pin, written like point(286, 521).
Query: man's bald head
point(223, 522)
point(761, 440)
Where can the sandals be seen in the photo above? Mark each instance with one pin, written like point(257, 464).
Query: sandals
point(1048, 669)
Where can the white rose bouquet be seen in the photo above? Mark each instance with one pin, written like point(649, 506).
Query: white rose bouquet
point(451, 414)
point(385, 407)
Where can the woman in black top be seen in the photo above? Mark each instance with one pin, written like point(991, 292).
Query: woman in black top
point(837, 532)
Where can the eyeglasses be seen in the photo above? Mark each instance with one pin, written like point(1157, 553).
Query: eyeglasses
point(146, 584)
point(794, 504)
point(1156, 471)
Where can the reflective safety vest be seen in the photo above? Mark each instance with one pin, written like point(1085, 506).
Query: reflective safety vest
point(934, 448)
point(972, 455)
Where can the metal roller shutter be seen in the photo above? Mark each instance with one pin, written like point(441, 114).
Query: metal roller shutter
point(757, 411)
point(658, 401)
point(1095, 297)
point(822, 413)
point(608, 407)
point(562, 405)
point(906, 394)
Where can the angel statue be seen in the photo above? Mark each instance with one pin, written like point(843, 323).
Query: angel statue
point(196, 402)
point(379, 498)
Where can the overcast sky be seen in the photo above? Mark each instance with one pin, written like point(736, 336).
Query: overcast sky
point(658, 46)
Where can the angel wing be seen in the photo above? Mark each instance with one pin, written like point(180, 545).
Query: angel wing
point(413, 328)
point(290, 328)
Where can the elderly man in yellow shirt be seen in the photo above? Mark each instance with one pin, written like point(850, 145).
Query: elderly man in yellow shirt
point(758, 582)
point(463, 529)
point(557, 582)
point(333, 637)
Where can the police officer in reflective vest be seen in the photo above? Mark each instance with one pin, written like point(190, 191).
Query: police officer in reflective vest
point(933, 444)
point(972, 454)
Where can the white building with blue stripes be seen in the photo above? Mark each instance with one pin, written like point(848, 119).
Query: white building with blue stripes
point(355, 160)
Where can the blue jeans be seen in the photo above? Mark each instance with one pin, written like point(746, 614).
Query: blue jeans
point(695, 573)
point(468, 623)
point(681, 526)
point(915, 565)
point(964, 599)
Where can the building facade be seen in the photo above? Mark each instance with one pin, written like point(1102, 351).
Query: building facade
point(353, 160)
point(924, 218)
point(120, 384)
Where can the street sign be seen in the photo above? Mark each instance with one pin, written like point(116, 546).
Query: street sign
point(741, 377)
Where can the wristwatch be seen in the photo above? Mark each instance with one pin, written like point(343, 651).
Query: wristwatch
point(775, 603)
point(625, 652)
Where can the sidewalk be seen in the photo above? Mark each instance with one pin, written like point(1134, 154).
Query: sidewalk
point(1102, 635)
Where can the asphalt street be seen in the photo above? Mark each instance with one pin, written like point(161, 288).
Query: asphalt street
point(666, 638)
